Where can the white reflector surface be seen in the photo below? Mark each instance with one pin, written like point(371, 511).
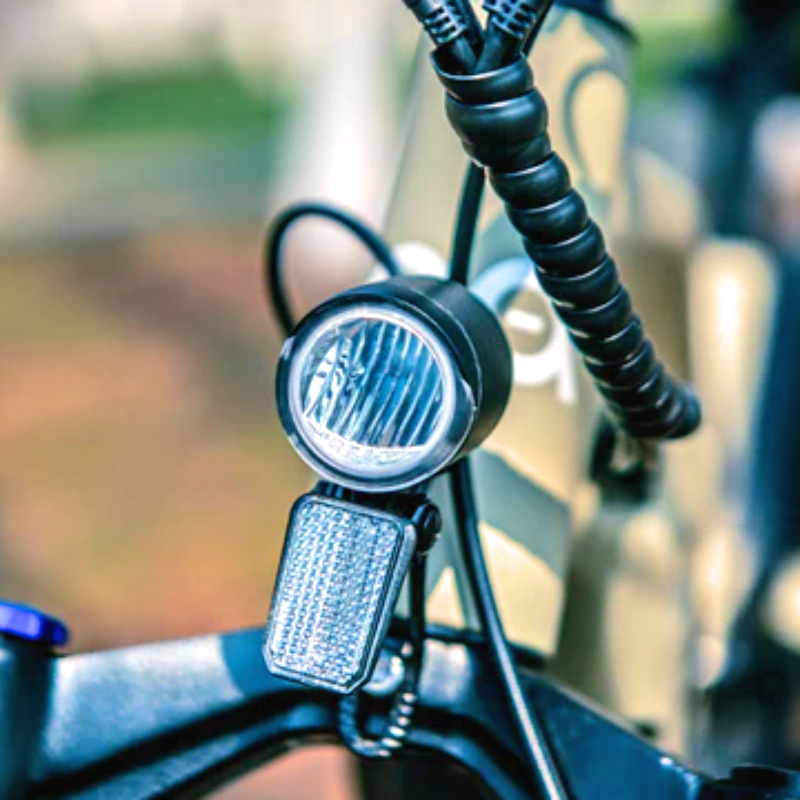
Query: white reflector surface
point(342, 570)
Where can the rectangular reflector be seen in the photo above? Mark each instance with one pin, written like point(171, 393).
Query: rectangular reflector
point(342, 568)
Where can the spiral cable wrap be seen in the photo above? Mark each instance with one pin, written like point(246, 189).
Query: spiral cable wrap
point(501, 119)
point(404, 701)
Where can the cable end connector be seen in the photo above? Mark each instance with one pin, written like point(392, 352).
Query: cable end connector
point(514, 17)
point(442, 23)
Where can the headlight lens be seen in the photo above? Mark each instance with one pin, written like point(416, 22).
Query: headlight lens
point(373, 394)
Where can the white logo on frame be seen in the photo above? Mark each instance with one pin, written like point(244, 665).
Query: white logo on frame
point(554, 361)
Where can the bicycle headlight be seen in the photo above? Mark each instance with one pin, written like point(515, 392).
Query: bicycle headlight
point(385, 385)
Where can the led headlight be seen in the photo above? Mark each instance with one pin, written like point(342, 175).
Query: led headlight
point(385, 385)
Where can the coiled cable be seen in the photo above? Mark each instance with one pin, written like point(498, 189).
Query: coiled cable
point(404, 701)
point(501, 120)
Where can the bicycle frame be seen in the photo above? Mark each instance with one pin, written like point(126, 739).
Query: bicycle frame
point(178, 719)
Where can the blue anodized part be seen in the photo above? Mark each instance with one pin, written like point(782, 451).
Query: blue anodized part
point(23, 622)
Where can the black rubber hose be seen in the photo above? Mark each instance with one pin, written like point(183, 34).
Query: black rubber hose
point(502, 121)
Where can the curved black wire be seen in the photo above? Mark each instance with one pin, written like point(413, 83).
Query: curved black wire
point(540, 760)
point(273, 251)
point(473, 30)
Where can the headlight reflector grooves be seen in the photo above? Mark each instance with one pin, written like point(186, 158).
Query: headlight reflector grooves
point(376, 385)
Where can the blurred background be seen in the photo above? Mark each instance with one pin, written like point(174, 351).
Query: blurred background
point(144, 479)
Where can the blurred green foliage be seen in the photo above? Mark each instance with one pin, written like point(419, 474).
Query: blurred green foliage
point(200, 99)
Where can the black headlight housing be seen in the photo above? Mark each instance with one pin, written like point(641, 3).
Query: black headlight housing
point(385, 385)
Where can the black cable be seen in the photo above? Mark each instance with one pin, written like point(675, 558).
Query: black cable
point(417, 602)
point(473, 31)
point(273, 251)
point(512, 28)
point(542, 766)
point(469, 209)
point(449, 26)
point(536, 28)
point(495, 51)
